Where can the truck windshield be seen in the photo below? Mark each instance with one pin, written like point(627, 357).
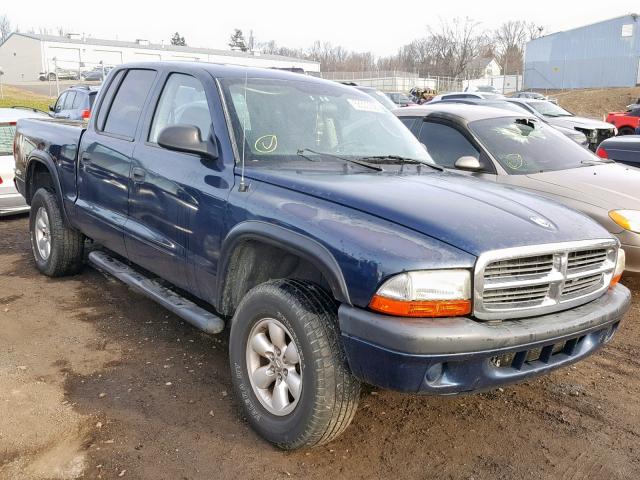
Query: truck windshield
point(524, 146)
point(550, 109)
point(289, 121)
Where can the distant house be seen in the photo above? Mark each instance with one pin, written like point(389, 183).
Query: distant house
point(482, 67)
point(23, 56)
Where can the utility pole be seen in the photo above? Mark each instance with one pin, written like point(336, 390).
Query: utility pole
point(1, 92)
point(55, 69)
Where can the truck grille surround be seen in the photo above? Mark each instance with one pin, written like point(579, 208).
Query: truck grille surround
point(536, 280)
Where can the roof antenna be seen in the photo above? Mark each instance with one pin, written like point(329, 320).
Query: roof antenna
point(243, 186)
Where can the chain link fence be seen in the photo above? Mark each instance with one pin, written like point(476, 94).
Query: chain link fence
point(396, 81)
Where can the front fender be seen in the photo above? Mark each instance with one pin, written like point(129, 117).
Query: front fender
point(296, 243)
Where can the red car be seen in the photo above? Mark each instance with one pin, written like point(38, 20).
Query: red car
point(625, 122)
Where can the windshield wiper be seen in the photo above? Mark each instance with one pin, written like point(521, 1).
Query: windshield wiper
point(398, 159)
point(301, 151)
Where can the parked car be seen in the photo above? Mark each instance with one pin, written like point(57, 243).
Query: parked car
point(75, 103)
point(624, 149)
point(11, 202)
point(293, 209)
point(625, 122)
point(595, 130)
point(483, 89)
point(374, 93)
point(400, 99)
point(467, 95)
point(521, 151)
point(97, 74)
point(578, 137)
point(62, 73)
point(532, 95)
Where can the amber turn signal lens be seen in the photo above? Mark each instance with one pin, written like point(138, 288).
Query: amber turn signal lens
point(615, 280)
point(421, 308)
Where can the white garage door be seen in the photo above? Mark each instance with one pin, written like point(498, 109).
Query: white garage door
point(146, 57)
point(67, 57)
point(108, 58)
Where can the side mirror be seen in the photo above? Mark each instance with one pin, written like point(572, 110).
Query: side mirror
point(469, 163)
point(187, 138)
point(52, 108)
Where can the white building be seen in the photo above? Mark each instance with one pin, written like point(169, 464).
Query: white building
point(483, 67)
point(23, 56)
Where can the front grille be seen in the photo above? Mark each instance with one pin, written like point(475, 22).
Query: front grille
point(519, 282)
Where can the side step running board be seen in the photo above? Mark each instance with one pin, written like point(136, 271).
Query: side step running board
point(186, 309)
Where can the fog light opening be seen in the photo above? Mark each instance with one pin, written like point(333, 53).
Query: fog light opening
point(434, 373)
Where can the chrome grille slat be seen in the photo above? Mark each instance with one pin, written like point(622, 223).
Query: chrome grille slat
point(527, 281)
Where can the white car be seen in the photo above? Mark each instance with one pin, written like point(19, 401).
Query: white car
point(11, 202)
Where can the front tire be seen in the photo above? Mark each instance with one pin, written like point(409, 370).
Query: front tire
point(58, 249)
point(626, 131)
point(288, 367)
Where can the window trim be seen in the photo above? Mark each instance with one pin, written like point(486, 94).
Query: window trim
point(490, 167)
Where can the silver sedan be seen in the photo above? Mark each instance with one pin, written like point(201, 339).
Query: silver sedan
point(11, 202)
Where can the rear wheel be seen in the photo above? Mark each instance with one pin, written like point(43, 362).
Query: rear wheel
point(57, 248)
point(288, 367)
point(52, 77)
point(626, 131)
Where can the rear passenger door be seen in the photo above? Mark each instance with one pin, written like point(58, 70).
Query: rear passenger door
point(105, 158)
point(162, 197)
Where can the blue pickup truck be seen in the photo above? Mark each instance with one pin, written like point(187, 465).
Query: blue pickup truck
point(305, 216)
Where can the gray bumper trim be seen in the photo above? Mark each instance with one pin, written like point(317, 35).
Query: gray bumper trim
point(436, 336)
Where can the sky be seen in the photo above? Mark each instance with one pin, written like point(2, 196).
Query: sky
point(356, 25)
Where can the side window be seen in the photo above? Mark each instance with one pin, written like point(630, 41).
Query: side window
point(60, 102)
point(107, 98)
point(80, 102)
point(446, 144)
point(127, 104)
point(182, 101)
point(408, 122)
point(68, 102)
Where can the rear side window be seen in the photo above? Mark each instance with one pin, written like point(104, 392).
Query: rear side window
point(60, 102)
point(6, 138)
point(80, 102)
point(184, 102)
point(446, 144)
point(68, 102)
point(127, 104)
point(106, 99)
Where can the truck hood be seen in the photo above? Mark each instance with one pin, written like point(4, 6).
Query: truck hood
point(469, 214)
point(580, 122)
point(609, 186)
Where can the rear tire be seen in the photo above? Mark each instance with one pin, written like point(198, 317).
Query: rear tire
point(52, 77)
point(626, 131)
point(305, 316)
point(58, 250)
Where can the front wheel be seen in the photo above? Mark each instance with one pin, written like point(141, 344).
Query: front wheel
point(288, 367)
point(626, 131)
point(57, 248)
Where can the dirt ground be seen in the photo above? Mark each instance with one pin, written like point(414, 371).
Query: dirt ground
point(98, 382)
point(594, 103)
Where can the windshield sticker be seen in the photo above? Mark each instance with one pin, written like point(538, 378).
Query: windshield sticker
point(365, 105)
point(266, 144)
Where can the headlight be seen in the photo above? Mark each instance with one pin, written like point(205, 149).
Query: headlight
point(619, 270)
point(427, 293)
point(578, 137)
point(627, 219)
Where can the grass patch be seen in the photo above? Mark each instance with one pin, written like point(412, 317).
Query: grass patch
point(16, 97)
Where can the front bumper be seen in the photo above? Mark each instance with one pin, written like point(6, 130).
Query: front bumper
point(457, 355)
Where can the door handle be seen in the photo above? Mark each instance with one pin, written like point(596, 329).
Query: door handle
point(137, 174)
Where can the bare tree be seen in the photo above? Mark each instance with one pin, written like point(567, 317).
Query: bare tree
point(510, 39)
point(5, 28)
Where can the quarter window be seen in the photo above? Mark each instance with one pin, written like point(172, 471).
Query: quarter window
point(126, 107)
point(446, 144)
point(183, 102)
point(68, 102)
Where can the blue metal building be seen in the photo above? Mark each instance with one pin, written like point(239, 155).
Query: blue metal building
point(604, 54)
